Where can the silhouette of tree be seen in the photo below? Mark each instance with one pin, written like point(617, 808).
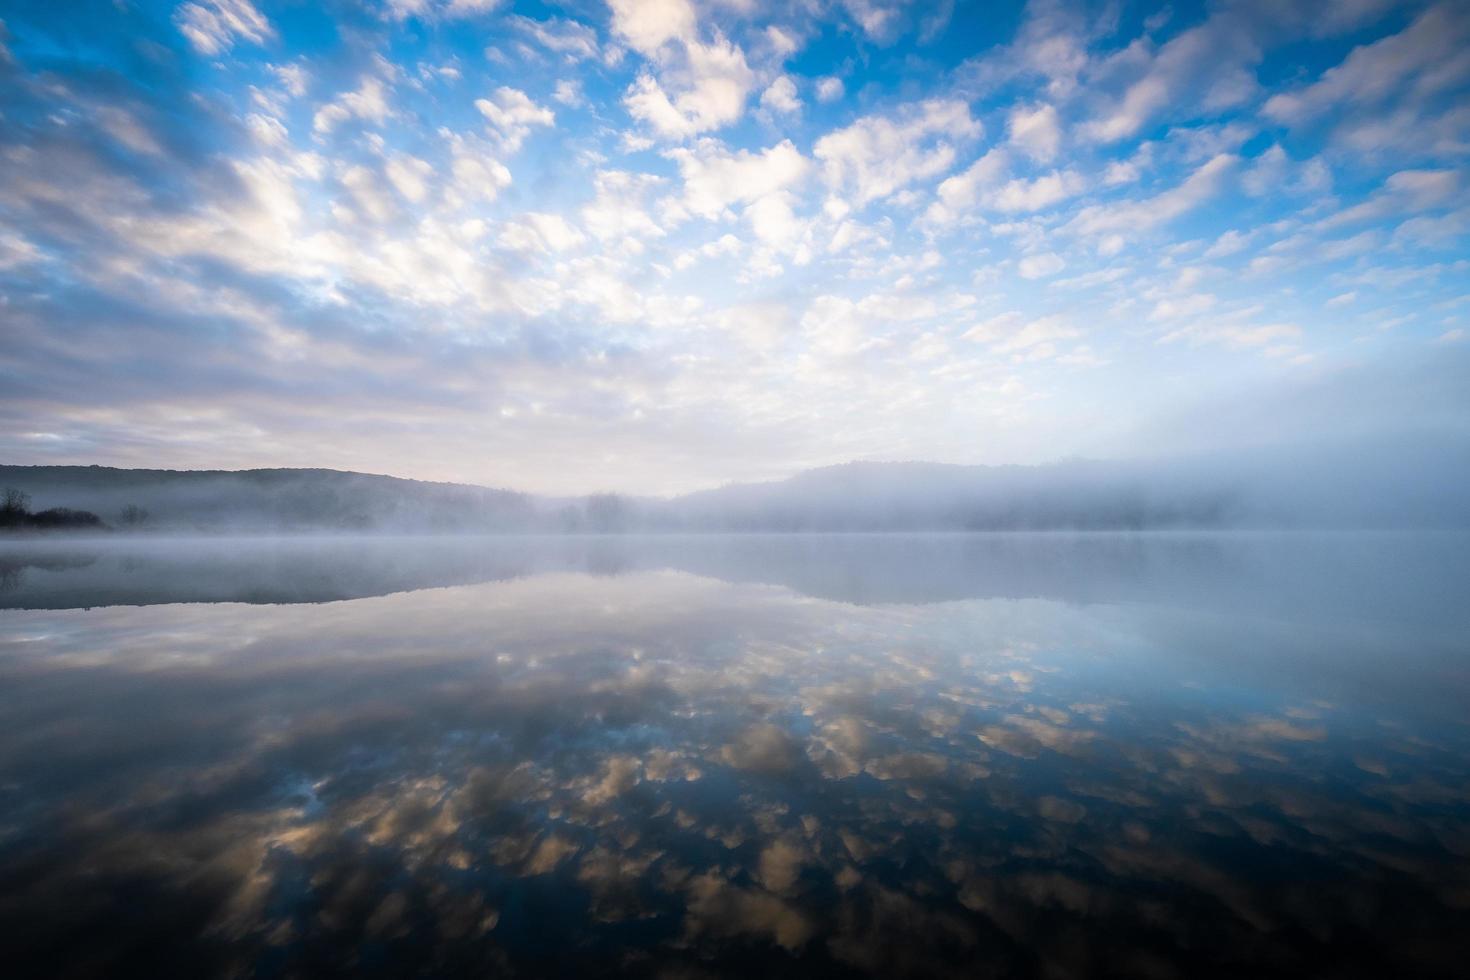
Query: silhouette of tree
point(15, 507)
point(14, 501)
point(606, 512)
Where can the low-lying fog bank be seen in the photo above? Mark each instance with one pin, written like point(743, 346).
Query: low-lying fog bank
point(1403, 482)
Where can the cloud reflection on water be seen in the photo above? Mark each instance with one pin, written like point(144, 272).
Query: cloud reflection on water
point(659, 772)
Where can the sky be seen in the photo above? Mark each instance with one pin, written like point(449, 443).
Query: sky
point(658, 246)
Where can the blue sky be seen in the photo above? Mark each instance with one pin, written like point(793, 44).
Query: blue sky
point(659, 246)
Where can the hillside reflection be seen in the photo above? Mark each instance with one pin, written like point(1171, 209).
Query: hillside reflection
point(657, 772)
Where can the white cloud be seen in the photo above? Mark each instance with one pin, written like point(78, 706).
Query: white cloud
point(647, 25)
point(1228, 243)
point(963, 191)
point(571, 39)
point(832, 325)
point(124, 127)
point(1140, 215)
point(293, 78)
point(782, 42)
point(780, 95)
point(980, 187)
point(1001, 334)
point(1038, 194)
point(1183, 305)
point(1040, 266)
point(568, 92)
point(539, 232)
point(878, 155)
point(512, 113)
point(774, 222)
point(470, 8)
point(404, 9)
point(475, 174)
point(715, 178)
point(1207, 68)
point(829, 89)
point(1237, 335)
point(410, 176)
point(16, 251)
point(711, 86)
point(1405, 192)
point(368, 194)
point(213, 26)
point(878, 18)
point(1273, 172)
point(369, 101)
point(1431, 49)
point(619, 211)
point(724, 246)
point(1036, 131)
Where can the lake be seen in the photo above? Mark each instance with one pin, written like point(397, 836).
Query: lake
point(1045, 755)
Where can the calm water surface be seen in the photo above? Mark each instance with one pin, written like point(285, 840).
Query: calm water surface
point(1010, 756)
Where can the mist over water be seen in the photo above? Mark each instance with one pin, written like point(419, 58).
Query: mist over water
point(926, 755)
point(1408, 479)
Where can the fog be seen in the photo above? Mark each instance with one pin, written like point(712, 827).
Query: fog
point(1413, 481)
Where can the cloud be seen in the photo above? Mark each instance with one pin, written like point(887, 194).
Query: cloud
point(1038, 194)
point(1429, 52)
point(213, 26)
point(878, 155)
point(433, 9)
point(1036, 131)
point(1038, 332)
point(710, 86)
point(647, 25)
point(829, 89)
point(537, 232)
point(1200, 186)
point(1238, 335)
point(331, 195)
point(1229, 243)
point(1207, 68)
point(619, 209)
point(369, 101)
point(513, 114)
point(410, 176)
point(964, 191)
point(1273, 172)
point(571, 39)
point(568, 92)
point(1040, 266)
point(1406, 191)
point(476, 175)
point(715, 178)
point(780, 95)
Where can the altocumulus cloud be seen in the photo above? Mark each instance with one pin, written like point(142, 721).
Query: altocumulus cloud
point(458, 239)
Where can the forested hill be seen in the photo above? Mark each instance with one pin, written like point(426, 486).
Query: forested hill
point(268, 499)
point(1402, 483)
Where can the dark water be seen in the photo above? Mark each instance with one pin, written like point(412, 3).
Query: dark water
point(896, 756)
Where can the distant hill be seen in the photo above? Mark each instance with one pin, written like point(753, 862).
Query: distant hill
point(935, 496)
point(269, 500)
point(1399, 483)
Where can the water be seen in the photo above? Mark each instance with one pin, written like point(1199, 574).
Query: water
point(1043, 755)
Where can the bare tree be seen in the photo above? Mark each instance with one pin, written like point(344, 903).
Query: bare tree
point(14, 502)
point(607, 512)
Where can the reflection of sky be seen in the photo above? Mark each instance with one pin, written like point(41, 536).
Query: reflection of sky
point(662, 771)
